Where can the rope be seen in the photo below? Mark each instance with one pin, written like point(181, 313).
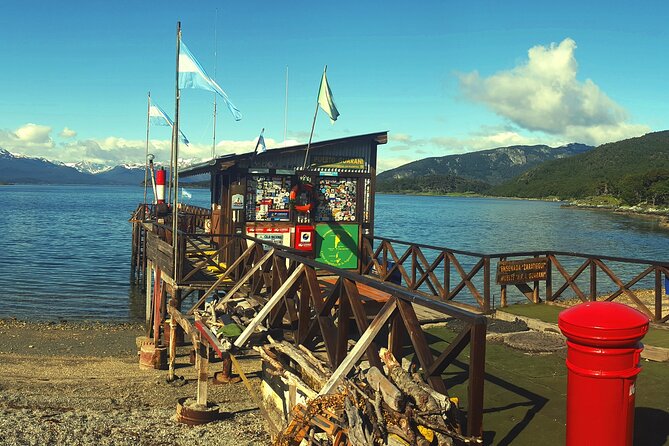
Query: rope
point(255, 399)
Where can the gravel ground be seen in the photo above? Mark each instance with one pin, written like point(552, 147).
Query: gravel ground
point(80, 384)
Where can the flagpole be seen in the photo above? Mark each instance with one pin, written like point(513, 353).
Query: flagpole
point(213, 144)
point(146, 152)
point(175, 160)
point(285, 113)
point(313, 124)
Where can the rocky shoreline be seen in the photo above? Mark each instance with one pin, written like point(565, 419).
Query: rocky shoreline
point(80, 384)
point(659, 213)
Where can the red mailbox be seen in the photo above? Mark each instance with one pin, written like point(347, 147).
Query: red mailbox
point(304, 238)
point(603, 352)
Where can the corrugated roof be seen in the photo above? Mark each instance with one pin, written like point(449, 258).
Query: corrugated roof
point(227, 161)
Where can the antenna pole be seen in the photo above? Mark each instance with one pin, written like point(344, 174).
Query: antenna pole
point(285, 113)
point(213, 143)
point(146, 152)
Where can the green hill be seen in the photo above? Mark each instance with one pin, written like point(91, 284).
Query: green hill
point(431, 185)
point(634, 170)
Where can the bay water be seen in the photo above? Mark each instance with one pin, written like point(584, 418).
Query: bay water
point(65, 250)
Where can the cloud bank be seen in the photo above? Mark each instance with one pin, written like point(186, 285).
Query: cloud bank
point(543, 94)
point(35, 140)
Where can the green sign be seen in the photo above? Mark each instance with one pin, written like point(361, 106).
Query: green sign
point(337, 245)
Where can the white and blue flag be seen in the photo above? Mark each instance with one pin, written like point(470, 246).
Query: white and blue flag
point(157, 116)
point(261, 142)
point(192, 75)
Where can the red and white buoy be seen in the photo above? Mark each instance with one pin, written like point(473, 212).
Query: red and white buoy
point(160, 186)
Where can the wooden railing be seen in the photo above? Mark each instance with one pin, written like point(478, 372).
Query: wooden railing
point(429, 270)
point(468, 278)
point(332, 313)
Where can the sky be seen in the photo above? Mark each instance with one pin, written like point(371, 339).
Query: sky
point(442, 77)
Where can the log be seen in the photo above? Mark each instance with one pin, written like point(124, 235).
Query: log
point(317, 362)
point(391, 394)
point(424, 400)
point(310, 370)
point(442, 399)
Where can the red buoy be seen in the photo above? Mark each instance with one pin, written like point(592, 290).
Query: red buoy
point(160, 186)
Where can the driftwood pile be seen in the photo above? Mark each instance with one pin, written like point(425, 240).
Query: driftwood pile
point(241, 309)
point(373, 407)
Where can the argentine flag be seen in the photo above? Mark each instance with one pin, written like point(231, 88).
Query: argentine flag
point(261, 143)
point(325, 99)
point(192, 75)
point(157, 116)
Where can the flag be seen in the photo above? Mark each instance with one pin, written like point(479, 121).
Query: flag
point(185, 194)
point(192, 75)
point(325, 99)
point(157, 116)
point(261, 142)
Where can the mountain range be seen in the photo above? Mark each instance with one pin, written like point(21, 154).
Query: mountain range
point(16, 168)
point(493, 166)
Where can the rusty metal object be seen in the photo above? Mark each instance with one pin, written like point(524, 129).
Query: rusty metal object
point(225, 375)
point(193, 414)
point(152, 357)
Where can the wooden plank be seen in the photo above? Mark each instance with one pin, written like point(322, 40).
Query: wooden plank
point(351, 292)
point(227, 272)
point(271, 303)
point(420, 344)
point(620, 284)
point(570, 279)
point(360, 347)
point(343, 327)
point(181, 320)
point(450, 353)
point(466, 279)
point(202, 373)
point(476, 380)
point(430, 272)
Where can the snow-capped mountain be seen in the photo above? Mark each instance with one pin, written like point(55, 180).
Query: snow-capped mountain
point(16, 168)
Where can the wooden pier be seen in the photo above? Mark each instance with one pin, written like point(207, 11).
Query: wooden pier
point(375, 294)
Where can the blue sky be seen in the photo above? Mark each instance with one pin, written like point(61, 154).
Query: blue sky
point(442, 77)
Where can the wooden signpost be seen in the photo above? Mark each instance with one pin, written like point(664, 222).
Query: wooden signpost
point(519, 273)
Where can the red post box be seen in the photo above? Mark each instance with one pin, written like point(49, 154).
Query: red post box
point(603, 351)
point(304, 238)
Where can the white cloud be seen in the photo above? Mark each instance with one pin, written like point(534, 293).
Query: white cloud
point(33, 134)
point(35, 141)
point(67, 133)
point(543, 94)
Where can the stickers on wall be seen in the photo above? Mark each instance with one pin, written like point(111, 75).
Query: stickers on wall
point(268, 198)
point(336, 199)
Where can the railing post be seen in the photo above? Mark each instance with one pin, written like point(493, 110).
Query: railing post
point(658, 294)
point(593, 281)
point(502, 290)
point(447, 276)
point(486, 284)
point(549, 279)
point(476, 380)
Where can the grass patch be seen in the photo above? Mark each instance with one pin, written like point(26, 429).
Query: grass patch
point(657, 337)
point(525, 395)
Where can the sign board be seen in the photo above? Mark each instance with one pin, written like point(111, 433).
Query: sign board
point(338, 162)
point(337, 245)
point(237, 202)
point(513, 272)
point(278, 235)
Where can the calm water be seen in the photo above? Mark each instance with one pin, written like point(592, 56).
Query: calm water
point(65, 250)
